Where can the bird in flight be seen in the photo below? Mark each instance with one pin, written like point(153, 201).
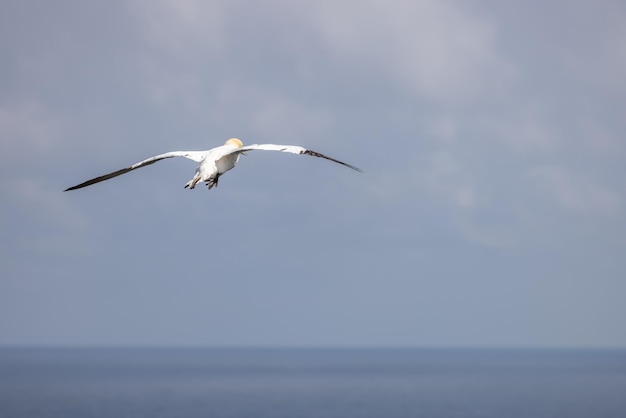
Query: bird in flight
point(211, 163)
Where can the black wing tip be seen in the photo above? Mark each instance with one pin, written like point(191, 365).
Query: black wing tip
point(101, 178)
point(319, 154)
point(351, 166)
point(85, 184)
point(78, 186)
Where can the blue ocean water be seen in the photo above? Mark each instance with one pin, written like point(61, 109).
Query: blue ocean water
point(89, 382)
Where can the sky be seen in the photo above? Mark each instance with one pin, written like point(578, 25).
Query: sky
point(491, 211)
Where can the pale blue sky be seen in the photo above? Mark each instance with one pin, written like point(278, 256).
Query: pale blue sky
point(491, 210)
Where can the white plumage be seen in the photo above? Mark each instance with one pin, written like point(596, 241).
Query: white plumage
point(211, 163)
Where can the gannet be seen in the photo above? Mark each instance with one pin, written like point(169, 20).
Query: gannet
point(212, 163)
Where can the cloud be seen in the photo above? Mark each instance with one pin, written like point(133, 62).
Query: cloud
point(40, 219)
point(27, 130)
point(274, 116)
point(576, 192)
point(526, 128)
point(445, 176)
point(180, 27)
point(434, 48)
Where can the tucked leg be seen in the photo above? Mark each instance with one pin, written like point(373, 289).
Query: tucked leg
point(192, 183)
point(212, 182)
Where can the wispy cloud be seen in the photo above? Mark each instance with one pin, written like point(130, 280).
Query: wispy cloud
point(434, 50)
point(574, 191)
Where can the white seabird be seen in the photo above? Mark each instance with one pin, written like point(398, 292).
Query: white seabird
point(212, 163)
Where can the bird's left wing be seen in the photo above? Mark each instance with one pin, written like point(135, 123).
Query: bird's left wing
point(196, 156)
point(294, 149)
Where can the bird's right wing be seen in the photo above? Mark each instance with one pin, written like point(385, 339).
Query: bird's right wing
point(293, 149)
point(196, 156)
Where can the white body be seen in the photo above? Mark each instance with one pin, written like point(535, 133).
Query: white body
point(216, 162)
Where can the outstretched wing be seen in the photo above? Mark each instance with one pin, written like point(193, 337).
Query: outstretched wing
point(196, 156)
point(294, 149)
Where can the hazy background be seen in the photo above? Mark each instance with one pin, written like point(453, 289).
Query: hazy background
point(491, 210)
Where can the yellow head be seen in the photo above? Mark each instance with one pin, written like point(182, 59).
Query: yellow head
point(235, 142)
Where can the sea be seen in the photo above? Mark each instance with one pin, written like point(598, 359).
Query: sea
point(301, 383)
